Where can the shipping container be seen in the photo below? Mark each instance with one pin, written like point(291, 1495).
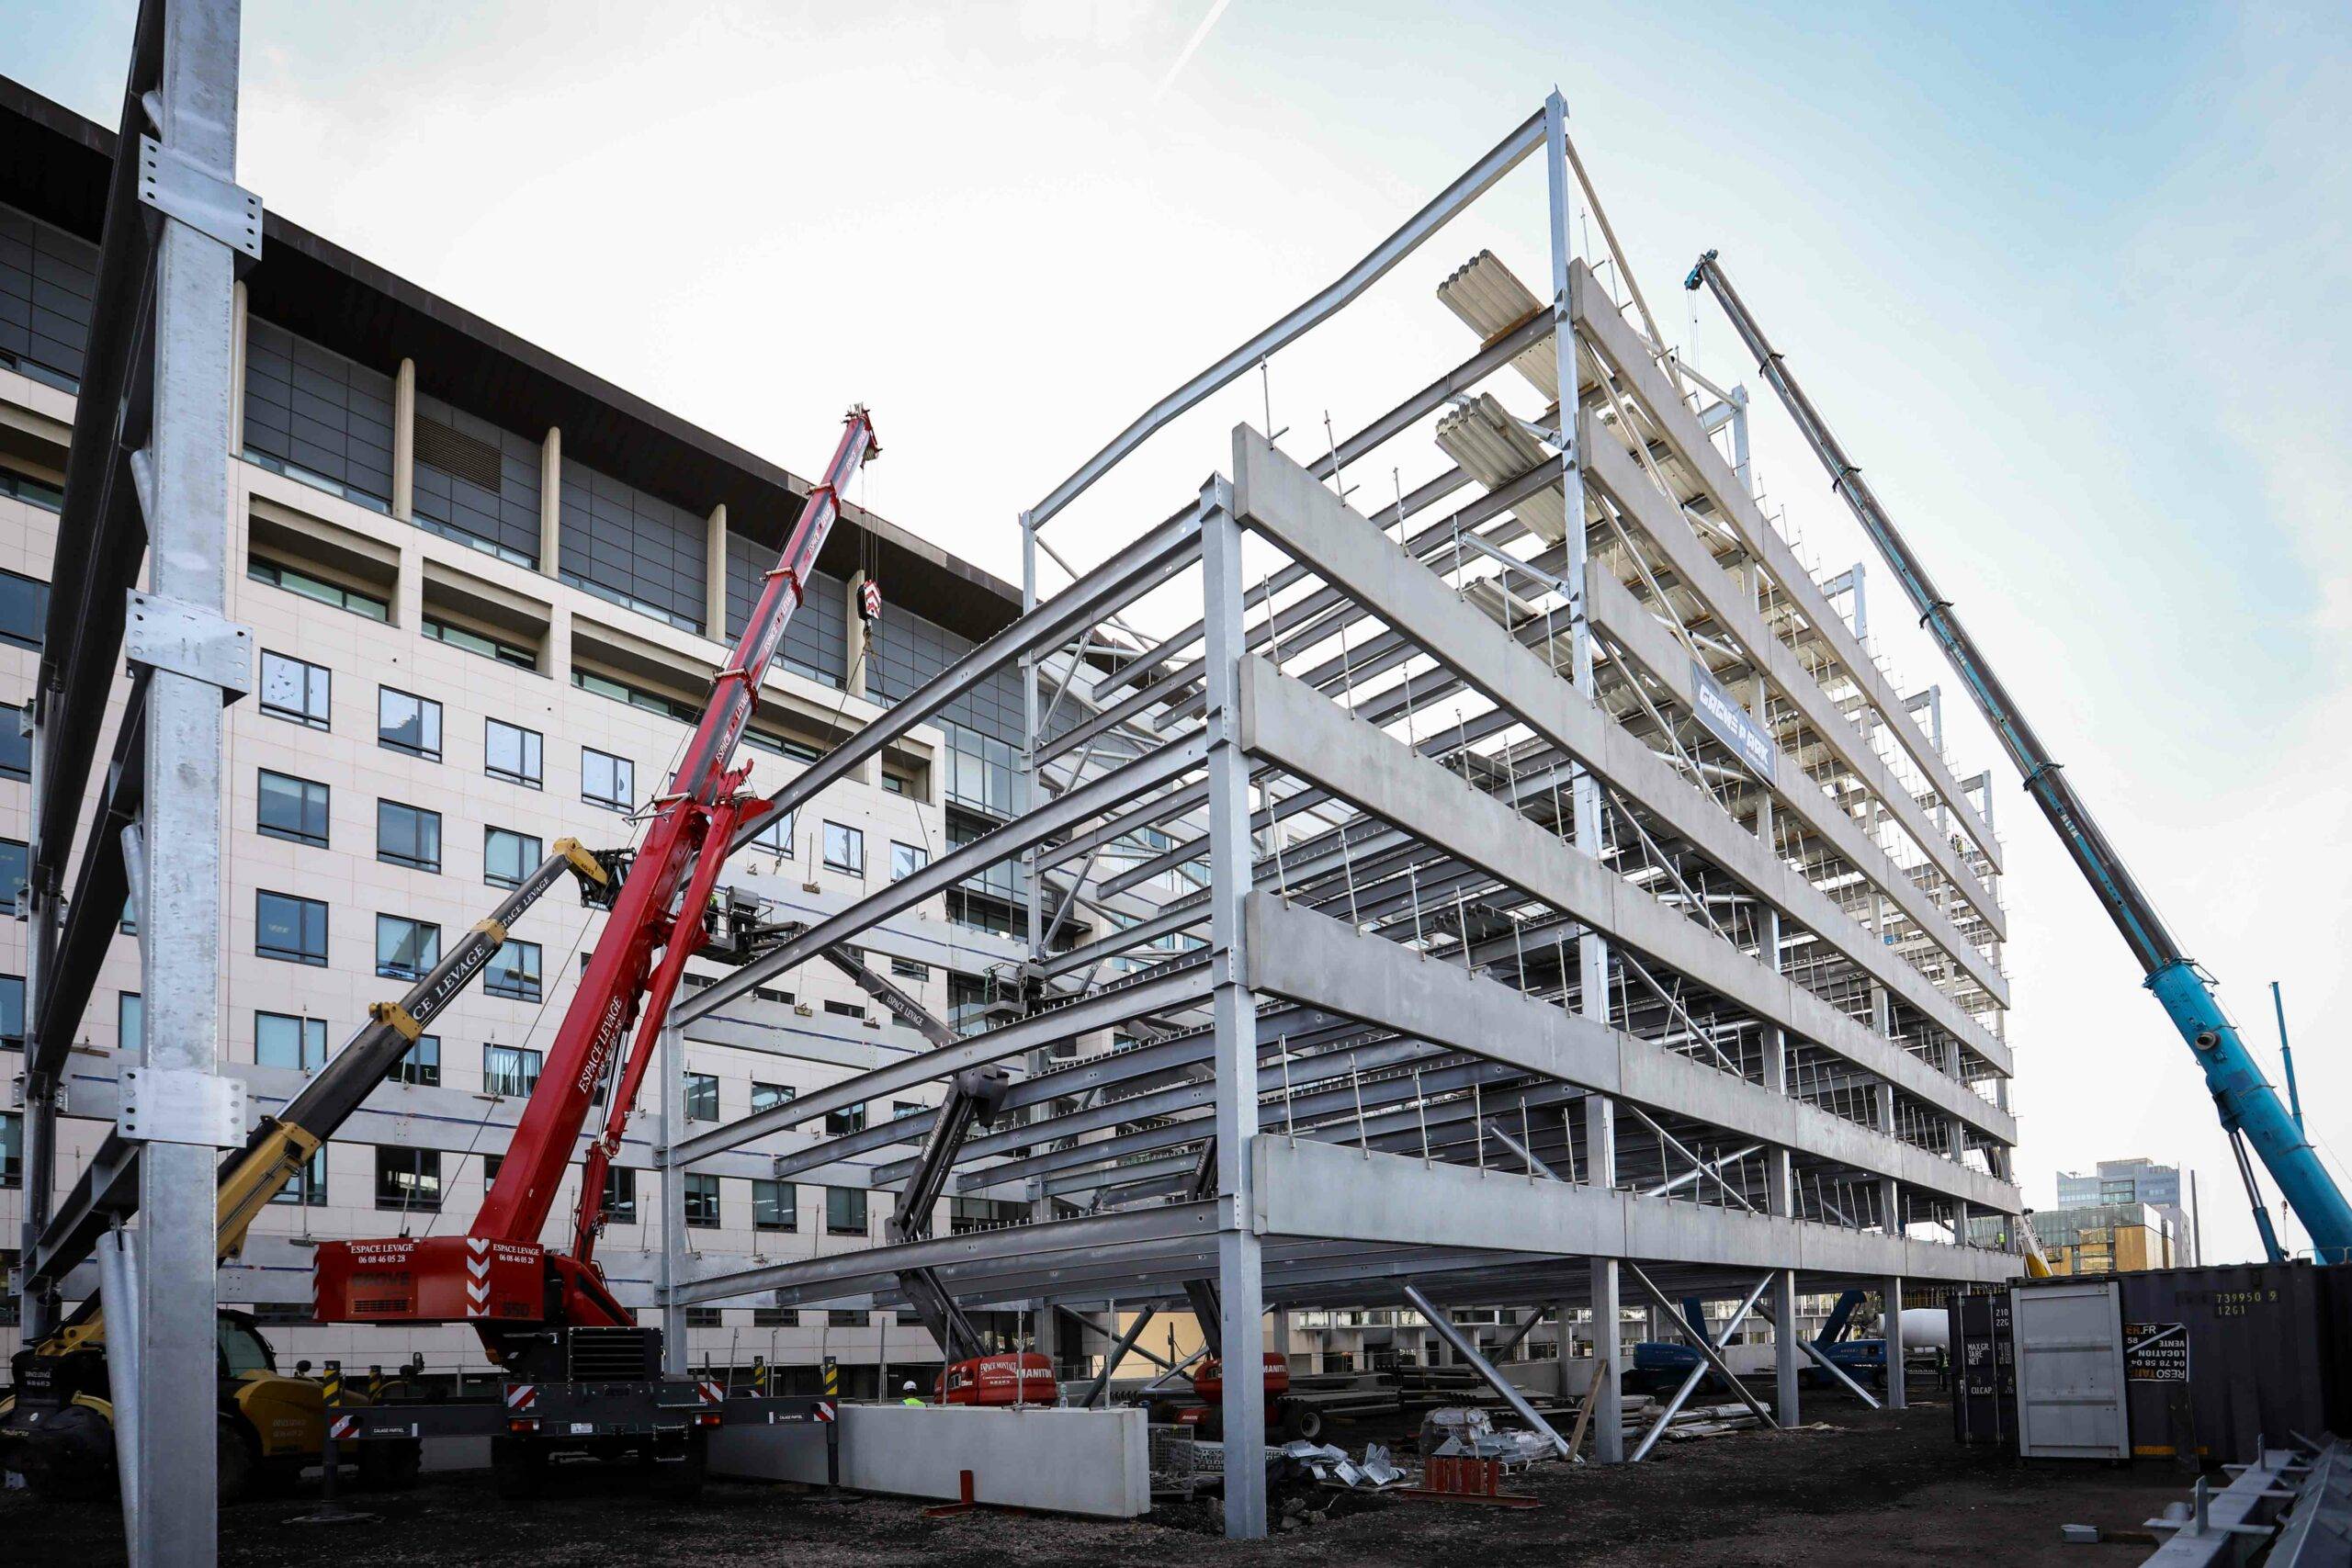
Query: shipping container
point(2217, 1359)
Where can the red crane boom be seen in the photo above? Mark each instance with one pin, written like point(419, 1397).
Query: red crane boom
point(489, 1274)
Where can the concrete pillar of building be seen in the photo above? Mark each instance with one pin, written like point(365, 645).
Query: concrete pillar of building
point(1890, 1194)
point(1565, 1341)
point(404, 441)
point(408, 588)
point(714, 577)
point(556, 658)
point(237, 320)
point(1891, 1310)
point(550, 501)
point(1607, 1368)
point(1787, 1359)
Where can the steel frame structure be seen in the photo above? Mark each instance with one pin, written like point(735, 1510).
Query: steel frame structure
point(147, 479)
point(1570, 887)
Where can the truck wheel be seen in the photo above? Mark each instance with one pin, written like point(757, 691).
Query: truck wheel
point(679, 1479)
point(518, 1467)
point(390, 1465)
point(1302, 1423)
point(237, 1463)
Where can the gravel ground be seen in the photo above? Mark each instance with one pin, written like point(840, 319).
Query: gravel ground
point(1859, 1489)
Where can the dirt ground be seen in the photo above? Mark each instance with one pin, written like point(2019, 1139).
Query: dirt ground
point(1872, 1488)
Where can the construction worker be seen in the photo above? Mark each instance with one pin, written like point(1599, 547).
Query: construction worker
point(912, 1397)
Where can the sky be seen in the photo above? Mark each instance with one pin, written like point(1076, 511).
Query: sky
point(2070, 282)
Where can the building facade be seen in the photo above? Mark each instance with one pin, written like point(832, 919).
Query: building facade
point(489, 593)
point(2138, 1180)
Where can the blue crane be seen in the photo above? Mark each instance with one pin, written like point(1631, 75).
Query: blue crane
point(2248, 1106)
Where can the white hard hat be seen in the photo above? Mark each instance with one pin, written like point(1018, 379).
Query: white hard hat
point(909, 1387)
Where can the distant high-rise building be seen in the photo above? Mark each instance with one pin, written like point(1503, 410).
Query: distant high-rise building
point(2137, 1180)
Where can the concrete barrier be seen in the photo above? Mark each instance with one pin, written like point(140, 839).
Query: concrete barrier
point(1064, 1462)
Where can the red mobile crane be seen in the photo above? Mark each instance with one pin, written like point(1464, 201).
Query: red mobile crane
point(583, 1374)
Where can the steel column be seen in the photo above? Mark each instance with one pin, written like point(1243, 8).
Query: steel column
point(1234, 1010)
point(182, 929)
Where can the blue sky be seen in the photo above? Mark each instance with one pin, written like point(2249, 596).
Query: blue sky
point(2071, 282)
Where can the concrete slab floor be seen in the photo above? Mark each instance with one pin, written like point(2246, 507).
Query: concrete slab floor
point(1873, 1489)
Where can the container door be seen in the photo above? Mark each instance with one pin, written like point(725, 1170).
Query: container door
point(2069, 1341)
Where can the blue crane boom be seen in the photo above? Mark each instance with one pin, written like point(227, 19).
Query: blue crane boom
point(2249, 1107)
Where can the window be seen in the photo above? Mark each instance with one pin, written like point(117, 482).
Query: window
point(293, 809)
point(772, 1318)
point(841, 1124)
point(408, 835)
point(488, 646)
point(15, 867)
point(16, 744)
point(507, 857)
point(845, 849)
point(130, 1021)
point(294, 691)
point(512, 971)
point(24, 609)
point(774, 1206)
point(702, 1097)
point(405, 949)
point(318, 588)
point(702, 1200)
point(408, 1179)
point(20, 486)
point(606, 780)
point(308, 1188)
point(846, 1317)
point(419, 1065)
point(706, 1317)
point(282, 1040)
point(906, 859)
point(405, 722)
point(620, 1196)
point(290, 928)
point(845, 1010)
point(12, 1011)
point(768, 1096)
point(12, 1150)
point(844, 1210)
point(908, 969)
point(775, 836)
point(511, 752)
point(635, 696)
point(903, 1109)
point(509, 1070)
point(895, 783)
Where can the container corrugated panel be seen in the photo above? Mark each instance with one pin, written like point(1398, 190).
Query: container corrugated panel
point(2258, 1359)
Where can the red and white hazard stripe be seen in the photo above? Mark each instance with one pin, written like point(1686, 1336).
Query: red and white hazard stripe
point(711, 1392)
point(824, 1410)
point(345, 1426)
point(478, 1277)
point(522, 1397)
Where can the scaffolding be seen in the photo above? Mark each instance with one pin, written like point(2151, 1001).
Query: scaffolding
point(1485, 897)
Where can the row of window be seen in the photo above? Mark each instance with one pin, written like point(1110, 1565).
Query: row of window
point(302, 693)
point(411, 1180)
point(293, 930)
point(296, 809)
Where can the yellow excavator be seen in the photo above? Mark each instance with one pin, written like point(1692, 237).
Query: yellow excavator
point(57, 1422)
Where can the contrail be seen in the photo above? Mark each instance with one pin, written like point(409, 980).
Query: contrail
point(1191, 45)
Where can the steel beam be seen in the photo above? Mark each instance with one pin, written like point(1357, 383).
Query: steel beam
point(1467, 1348)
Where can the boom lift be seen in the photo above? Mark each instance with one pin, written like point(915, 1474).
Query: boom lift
point(2248, 1106)
point(57, 1428)
point(583, 1375)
